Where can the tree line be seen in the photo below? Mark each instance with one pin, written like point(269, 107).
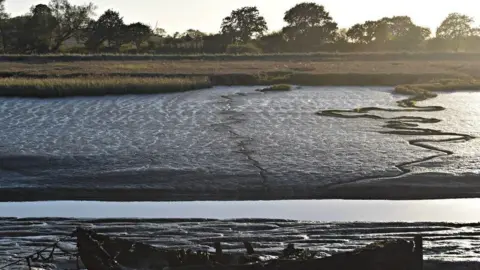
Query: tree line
point(61, 26)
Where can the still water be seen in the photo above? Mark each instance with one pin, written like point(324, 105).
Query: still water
point(459, 210)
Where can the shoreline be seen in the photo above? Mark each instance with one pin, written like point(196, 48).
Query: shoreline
point(71, 85)
point(412, 187)
point(332, 211)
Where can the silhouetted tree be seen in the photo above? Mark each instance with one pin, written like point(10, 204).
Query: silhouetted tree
point(415, 37)
point(456, 27)
point(159, 32)
point(108, 28)
point(3, 18)
point(41, 25)
point(273, 43)
point(397, 32)
point(139, 33)
point(215, 43)
point(70, 19)
point(243, 24)
point(17, 37)
point(309, 24)
point(402, 33)
point(358, 34)
point(194, 34)
point(309, 28)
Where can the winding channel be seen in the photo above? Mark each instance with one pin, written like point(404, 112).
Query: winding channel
point(405, 126)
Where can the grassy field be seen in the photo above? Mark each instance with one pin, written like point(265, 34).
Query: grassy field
point(66, 75)
point(195, 67)
point(320, 56)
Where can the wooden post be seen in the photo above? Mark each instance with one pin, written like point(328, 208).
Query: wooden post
point(29, 263)
point(249, 248)
point(418, 253)
point(218, 249)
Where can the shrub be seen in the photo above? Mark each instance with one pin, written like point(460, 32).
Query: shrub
point(277, 87)
point(247, 48)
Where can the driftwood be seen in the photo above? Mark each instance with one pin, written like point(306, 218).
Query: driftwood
point(100, 252)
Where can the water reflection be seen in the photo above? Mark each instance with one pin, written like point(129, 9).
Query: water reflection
point(458, 210)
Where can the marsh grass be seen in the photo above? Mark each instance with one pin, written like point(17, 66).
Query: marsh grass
point(277, 81)
point(98, 86)
point(316, 56)
point(429, 89)
point(326, 79)
point(277, 88)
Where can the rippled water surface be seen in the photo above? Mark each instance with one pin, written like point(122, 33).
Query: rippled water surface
point(221, 138)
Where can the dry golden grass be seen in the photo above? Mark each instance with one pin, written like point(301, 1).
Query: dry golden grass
point(88, 86)
point(199, 67)
point(438, 86)
point(50, 78)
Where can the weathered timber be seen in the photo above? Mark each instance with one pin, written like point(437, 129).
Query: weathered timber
point(100, 252)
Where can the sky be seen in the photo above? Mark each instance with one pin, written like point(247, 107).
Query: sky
point(207, 15)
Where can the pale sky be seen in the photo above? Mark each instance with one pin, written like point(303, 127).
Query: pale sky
point(206, 15)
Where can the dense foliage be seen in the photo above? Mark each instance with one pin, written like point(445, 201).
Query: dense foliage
point(60, 26)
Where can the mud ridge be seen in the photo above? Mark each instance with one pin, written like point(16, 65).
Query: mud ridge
point(404, 126)
point(243, 141)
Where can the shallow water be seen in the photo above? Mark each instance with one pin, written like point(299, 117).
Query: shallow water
point(456, 210)
point(202, 140)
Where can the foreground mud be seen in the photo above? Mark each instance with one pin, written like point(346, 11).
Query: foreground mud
point(234, 143)
point(443, 241)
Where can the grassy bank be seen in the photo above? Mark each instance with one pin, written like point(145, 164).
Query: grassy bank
point(319, 56)
point(438, 86)
point(253, 67)
point(276, 88)
point(327, 79)
point(98, 86)
point(55, 79)
point(410, 84)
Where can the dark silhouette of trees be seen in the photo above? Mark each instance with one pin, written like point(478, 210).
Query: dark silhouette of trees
point(215, 43)
point(70, 20)
point(63, 26)
point(309, 25)
point(108, 28)
point(138, 33)
point(243, 24)
point(273, 43)
point(455, 29)
point(455, 26)
point(395, 33)
point(3, 19)
point(41, 25)
point(16, 34)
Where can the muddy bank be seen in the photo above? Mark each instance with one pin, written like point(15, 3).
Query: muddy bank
point(415, 186)
point(410, 187)
point(443, 241)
